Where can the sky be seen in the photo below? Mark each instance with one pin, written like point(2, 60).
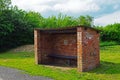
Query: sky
point(104, 11)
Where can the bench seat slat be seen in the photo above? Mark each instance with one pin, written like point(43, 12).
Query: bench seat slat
point(62, 56)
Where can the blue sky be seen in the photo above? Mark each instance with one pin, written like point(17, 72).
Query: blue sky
point(104, 11)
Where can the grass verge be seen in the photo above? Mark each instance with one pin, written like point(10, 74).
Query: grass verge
point(108, 70)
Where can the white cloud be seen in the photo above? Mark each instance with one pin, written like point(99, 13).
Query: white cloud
point(108, 19)
point(73, 6)
point(76, 6)
point(107, 2)
point(34, 5)
point(94, 7)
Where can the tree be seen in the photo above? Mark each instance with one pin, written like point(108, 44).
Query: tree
point(17, 26)
point(34, 19)
point(85, 20)
point(5, 4)
point(5, 25)
point(60, 21)
point(64, 20)
point(110, 32)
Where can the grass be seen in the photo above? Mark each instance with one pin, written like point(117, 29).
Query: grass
point(108, 70)
point(110, 43)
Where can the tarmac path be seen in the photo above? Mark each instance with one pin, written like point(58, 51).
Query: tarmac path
point(14, 74)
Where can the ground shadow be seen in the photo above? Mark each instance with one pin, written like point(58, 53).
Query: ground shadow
point(107, 68)
point(104, 68)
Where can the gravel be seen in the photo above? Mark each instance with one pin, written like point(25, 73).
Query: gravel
point(23, 48)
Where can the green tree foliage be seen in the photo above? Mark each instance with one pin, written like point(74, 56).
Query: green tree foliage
point(110, 32)
point(64, 20)
point(5, 4)
point(16, 25)
point(60, 21)
point(5, 25)
point(85, 20)
point(34, 19)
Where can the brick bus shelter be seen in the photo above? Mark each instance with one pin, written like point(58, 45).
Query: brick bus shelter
point(72, 46)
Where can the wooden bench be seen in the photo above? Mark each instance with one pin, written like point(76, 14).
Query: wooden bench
point(68, 58)
point(62, 56)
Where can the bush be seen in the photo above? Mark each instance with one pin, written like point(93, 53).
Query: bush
point(107, 43)
point(110, 32)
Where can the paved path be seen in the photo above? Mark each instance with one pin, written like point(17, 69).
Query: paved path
point(13, 74)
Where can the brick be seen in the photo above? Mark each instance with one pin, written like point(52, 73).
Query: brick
point(81, 42)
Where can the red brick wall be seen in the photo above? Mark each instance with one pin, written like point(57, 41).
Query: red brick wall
point(46, 47)
point(79, 49)
point(89, 49)
point(84, 44)
point(37, 46)
point(65, 44)
point(42, 45)
point(61, 44)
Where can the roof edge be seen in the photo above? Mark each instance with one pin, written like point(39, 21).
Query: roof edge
point(67, 27)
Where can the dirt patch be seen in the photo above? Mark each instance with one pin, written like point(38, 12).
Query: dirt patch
point(24, 48)
point(60, 67)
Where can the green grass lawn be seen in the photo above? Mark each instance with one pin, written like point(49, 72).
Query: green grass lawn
point(109, 69)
